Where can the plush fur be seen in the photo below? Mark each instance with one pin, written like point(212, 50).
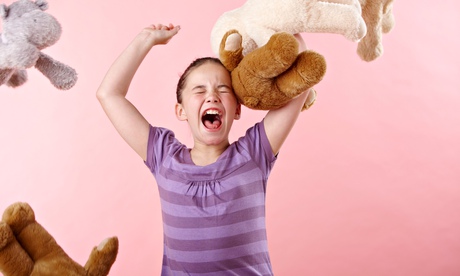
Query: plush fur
point(28, 29)
point(272, 75)
point(255, 42)
point(258, 20)
point(27, 249)
point(378, 15)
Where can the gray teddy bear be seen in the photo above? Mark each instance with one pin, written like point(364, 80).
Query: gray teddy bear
point(27, 30)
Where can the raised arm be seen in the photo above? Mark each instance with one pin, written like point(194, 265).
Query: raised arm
point(279, 122)
point(127, 120)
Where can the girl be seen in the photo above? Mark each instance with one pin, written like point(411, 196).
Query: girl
point(212, 195)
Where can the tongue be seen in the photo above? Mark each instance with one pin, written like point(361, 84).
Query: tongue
point(212, 125)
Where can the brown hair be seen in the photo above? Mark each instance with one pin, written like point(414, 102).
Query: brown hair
point(196, 63)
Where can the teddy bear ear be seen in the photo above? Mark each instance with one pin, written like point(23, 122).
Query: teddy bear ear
point(3, 11)
point(42, 4)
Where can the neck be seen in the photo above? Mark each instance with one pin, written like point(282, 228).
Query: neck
point(203, 155)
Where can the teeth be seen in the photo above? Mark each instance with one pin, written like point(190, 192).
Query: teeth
point(212, 112)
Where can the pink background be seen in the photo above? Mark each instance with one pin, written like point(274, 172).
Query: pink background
point(368, 183)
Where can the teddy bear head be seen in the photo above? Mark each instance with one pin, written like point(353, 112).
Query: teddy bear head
point(26, 21)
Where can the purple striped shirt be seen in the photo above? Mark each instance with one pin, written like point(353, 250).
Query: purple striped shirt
point(214, 215)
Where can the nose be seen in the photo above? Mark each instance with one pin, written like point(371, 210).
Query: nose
point(213, 97)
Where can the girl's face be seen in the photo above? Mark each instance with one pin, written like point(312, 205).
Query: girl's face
point(209, 104)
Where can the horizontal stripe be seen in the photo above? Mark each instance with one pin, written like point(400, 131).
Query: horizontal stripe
point(215, 232)
point(259, 270)
point(218, 255)
point(218, 266)
point(217, 243)
point(214, 221)
point(253, 198)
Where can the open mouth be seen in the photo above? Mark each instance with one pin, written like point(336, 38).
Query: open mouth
point(212, 119)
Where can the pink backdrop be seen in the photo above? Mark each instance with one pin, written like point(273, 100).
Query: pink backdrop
point(367, 184)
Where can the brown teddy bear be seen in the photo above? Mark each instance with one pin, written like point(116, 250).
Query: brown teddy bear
point(272, 75)
point(27, 249)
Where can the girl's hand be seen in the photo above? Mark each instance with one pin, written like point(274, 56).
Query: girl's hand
point(161, 34)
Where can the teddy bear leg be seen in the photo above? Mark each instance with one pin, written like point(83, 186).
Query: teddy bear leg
point(35, 240)
point(308, 70)
point(14, 261)
point(18, 78)
point(231, 50)
point(102, 257)
point(5, 75)
point(60, 75)
point(273, 58)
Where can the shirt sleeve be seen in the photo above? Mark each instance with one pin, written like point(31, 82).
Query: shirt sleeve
point(159, 142)
point(258, 146)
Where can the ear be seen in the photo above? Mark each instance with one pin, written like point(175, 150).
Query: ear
point(42, 4)
point(3, 11)
point(238, 112)
point(180, 112)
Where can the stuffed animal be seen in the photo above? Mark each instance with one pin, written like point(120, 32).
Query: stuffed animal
point(27, 249)
point(258, 20)
point(27, 30)
point(272, 75)
point(378, 15)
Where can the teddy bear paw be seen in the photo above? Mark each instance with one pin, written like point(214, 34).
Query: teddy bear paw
point(233, 42)
point(18, 216)
point(18, 78)
point(5, 234)
point(311, 99)
point(307, 71)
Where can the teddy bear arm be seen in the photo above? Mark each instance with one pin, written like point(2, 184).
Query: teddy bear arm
point(344, 19)
point(102, 257)
point(14, 261)
point(375, 14)
point(60, 75)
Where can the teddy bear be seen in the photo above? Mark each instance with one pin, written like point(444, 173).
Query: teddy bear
point(257, 20)
point(27, 249)
point(28, 29)
point(270, 76)
point(379, 18)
